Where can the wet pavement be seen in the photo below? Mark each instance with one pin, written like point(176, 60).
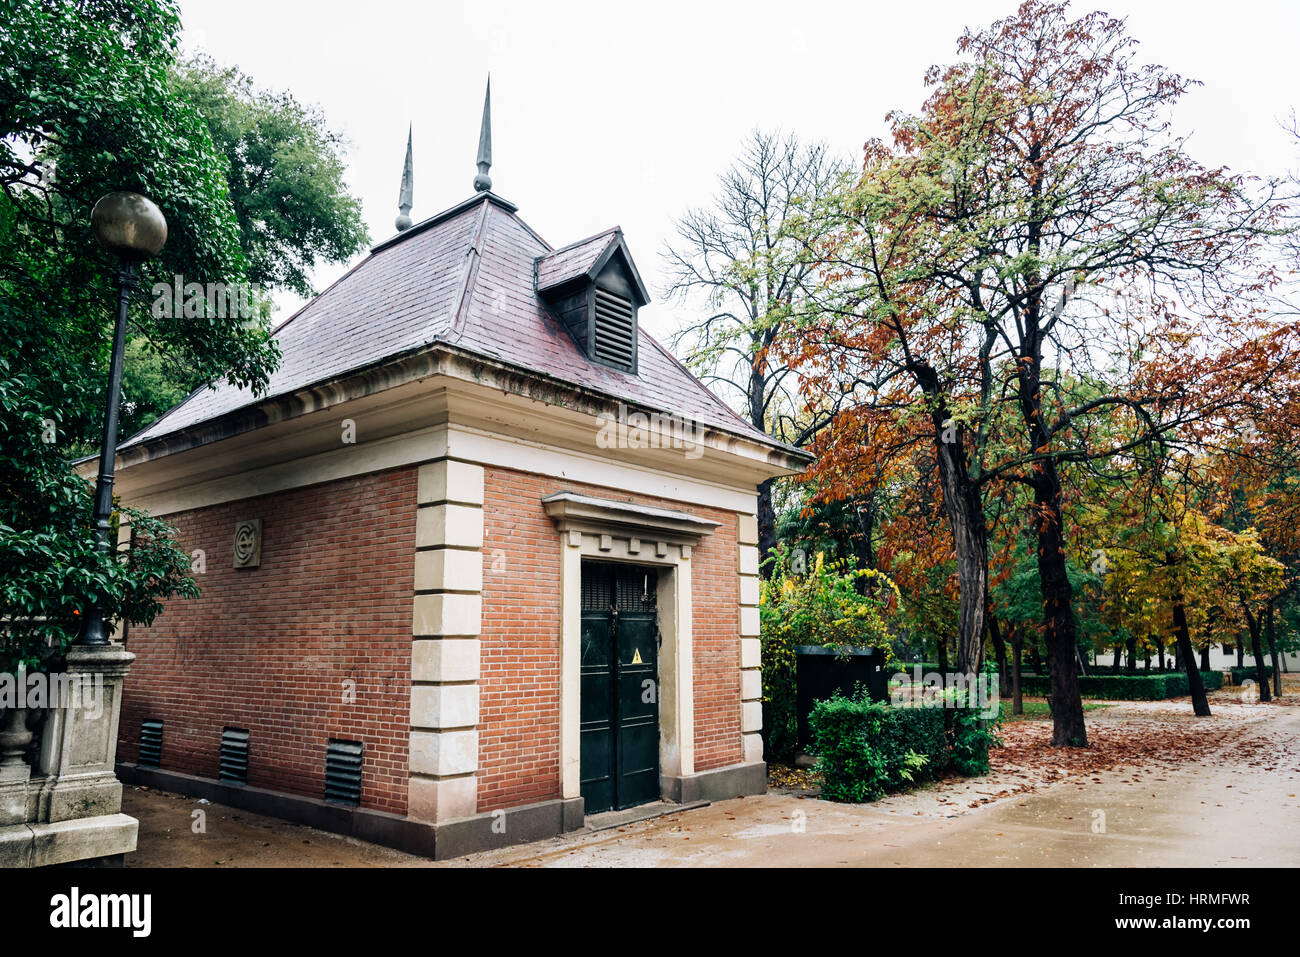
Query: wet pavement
point(1234, 805)
point(1210, 813)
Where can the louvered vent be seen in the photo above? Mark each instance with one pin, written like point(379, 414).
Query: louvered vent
point(151, 737)
point(615, 330)
point(343, 772)
point(234, 755)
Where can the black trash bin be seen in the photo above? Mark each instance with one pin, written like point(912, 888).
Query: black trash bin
point(820, 672)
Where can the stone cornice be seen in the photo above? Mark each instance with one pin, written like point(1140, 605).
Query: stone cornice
point(401, 413)
point(457, 365)
point(585, 513)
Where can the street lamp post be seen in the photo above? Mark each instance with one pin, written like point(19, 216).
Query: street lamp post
point(133, 229)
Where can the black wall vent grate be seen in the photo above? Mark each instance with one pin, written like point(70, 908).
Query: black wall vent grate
point(151, 740)
point(625, 587)
point(234, 755)
point(615, 329)
point(343, 772)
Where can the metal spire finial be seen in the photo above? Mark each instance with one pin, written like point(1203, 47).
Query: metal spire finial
point(483, 181)
point(408, 189)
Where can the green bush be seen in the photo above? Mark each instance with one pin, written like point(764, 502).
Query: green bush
point(898, 665)
point(869, 748)
point(973, 735)
point(1144, 687)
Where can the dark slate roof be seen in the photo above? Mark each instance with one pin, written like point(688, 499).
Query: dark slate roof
point(463, 278)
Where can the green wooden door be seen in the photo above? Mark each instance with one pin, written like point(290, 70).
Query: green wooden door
point(619, 691)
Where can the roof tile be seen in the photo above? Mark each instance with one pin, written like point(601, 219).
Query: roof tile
point(574, 260)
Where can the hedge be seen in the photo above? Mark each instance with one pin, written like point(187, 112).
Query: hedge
point(1152, 687)
point(1247, 672)
point(871, 748)
point(898, 664)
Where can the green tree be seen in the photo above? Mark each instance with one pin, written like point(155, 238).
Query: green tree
point(88, 105)
point(99, 115)
point(1035, 240)
point(285, 176)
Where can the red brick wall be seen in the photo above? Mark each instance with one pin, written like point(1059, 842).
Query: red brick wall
point(519, 683)
point(269, 649)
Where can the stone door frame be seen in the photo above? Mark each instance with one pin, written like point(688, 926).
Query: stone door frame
point(612, 531)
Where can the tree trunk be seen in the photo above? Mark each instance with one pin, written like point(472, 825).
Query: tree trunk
point(964, 506)
point(1000, 651)
point(1241, 652)
point(1117, 664)
point(1017, 647)
point(943, 656)
point(1160, 651)
point(766, 527)
point(1058, 613)
point(1261, 673)
point(1200, 704)
point(865, 548)
point(1035, 660)
point(1133, 654)
point(1205, 658)
point(1059, 631)
point(1272, 648)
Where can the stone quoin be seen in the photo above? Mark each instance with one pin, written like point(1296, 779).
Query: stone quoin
point(513, 623)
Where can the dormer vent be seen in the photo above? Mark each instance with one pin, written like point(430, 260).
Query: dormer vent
point(592, 287)
point(615, 333)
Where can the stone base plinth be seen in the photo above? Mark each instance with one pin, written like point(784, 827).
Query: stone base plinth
point(40, 845)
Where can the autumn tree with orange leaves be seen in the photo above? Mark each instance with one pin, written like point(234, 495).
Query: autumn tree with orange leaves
point(1033, 253)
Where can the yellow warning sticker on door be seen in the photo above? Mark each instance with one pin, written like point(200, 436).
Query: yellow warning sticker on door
point(636, 657)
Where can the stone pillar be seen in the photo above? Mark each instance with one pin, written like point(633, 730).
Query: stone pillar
point(571, 665)
point(751, 677)
point(445, 651)
point(74, 803)
point(79, 743)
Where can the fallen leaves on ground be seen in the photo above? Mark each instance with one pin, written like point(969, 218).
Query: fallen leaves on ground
point(782, 777)
point(1146, 738)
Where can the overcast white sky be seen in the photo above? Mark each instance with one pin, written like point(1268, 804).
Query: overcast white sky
point(609, 113)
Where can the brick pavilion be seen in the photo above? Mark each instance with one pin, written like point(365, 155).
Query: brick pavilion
point(481, 562)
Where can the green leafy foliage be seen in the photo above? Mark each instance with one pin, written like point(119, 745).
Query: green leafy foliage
point(869, 749)
point(285, 175)
point(1245, 673)
point(49, 569)
point(824, 607)
point(89, 105)
point(973, 736)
